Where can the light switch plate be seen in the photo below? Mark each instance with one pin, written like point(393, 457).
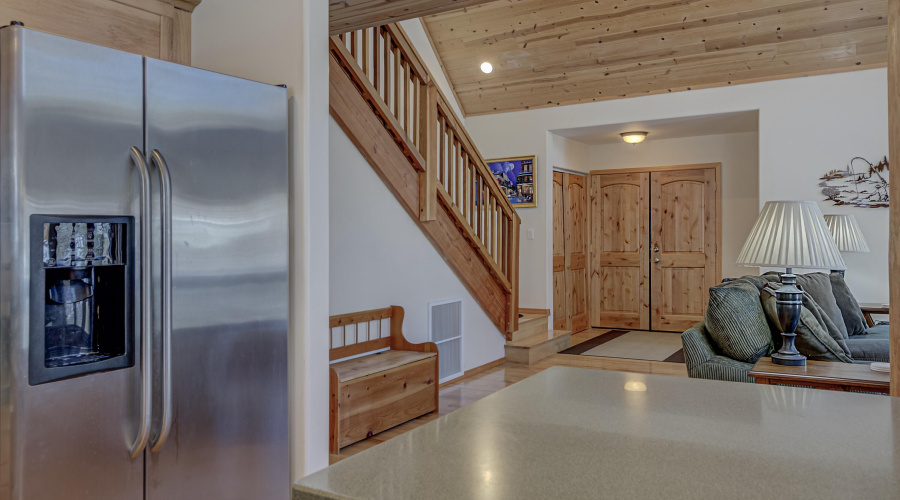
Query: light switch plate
point(531, 234)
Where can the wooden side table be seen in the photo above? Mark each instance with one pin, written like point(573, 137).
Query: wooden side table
point(868, 309)
point(822, 375)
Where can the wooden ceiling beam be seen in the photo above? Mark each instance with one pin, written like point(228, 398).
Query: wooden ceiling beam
point(350, 15)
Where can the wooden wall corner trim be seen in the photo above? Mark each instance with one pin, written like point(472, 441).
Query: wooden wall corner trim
point(894, 225)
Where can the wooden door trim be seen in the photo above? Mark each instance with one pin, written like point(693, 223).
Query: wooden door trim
point(717, 166)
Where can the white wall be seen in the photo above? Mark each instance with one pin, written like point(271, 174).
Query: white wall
point(568, 154)
point(286, 42)
point(419, 40)
point(380, 257)
point(739, 156)
point(807, 126)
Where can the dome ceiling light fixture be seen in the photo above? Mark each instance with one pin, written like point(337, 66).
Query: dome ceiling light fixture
point(487, 68)
point(633, 137)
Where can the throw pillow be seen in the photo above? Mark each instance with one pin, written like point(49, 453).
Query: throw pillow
point(812, 340)
point(759, 281)
point(850, 311)
point(818, 285)
point(736, 322)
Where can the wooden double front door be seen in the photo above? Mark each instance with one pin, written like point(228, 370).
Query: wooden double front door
point(570, 252)
point(654, 247)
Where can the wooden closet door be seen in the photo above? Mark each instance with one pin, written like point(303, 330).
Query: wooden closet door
point(576, 252)
point(560, 308)
point(620, 293)
point(683, 221)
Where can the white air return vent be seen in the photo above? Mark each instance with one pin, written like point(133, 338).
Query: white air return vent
point(445, 329)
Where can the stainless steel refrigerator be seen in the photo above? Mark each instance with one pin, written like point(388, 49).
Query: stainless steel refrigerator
point(143, 277)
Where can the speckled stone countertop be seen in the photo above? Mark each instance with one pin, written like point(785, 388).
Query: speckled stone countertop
point(580, 433)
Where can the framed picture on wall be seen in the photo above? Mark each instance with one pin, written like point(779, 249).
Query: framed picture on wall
point(516, 176)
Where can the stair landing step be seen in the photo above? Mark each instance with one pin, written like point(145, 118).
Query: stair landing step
point(536, 340)
point(529, 317)
point(531, 324)
point(538, 347)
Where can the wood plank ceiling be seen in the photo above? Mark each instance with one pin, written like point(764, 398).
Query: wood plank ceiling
point(556, 52)
point(349, 15)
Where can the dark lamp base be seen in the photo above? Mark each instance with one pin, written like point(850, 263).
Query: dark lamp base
point(789, 359)
point(788, 303)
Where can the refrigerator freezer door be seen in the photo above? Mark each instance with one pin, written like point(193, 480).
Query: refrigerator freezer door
point(225, 143)
point(69, 114)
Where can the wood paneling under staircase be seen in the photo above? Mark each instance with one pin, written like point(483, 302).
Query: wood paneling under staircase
point(382, 96)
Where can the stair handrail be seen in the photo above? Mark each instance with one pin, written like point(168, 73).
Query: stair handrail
point(393, 79)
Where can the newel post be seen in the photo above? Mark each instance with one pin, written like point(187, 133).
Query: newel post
point(512, 324)
point(429, 144)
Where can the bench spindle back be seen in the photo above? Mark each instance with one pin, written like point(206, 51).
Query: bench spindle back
point(379, 327)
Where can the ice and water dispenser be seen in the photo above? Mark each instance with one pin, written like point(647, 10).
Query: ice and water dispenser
point(82, 296)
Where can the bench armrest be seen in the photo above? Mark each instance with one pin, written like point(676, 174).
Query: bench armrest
point(399, 342)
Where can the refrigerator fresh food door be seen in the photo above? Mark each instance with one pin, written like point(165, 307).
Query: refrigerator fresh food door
point(224, 143)
point(70, 113)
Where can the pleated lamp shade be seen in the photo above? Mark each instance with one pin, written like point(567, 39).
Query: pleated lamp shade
point(791, 234)
point(846, 233)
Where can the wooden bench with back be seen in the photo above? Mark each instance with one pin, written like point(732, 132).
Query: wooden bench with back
point(372, 393)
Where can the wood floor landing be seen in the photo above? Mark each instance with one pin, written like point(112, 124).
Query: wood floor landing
point(466, 390)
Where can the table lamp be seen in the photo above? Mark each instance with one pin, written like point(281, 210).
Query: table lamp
point(846, 234)
point(790, 234)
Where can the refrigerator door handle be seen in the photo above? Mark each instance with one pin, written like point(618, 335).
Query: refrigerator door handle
point(165, 182)
point(146, 333)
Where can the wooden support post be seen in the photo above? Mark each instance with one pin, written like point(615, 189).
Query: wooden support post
point(894, 224)
point(429, 130)
point(512, 324)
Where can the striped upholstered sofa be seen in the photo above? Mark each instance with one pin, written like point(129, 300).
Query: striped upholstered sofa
point(705, 358)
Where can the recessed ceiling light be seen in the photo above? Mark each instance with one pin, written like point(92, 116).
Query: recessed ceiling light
point(633, 137)
point(487, 67)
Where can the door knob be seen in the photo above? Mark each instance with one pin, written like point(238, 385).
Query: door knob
point(656, 260)
point(656, 249)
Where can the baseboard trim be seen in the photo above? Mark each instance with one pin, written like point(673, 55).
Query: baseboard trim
point(526, 310)
point(474, 371)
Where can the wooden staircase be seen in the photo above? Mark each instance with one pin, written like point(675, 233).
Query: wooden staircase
point(383, 97)
point(534, 341)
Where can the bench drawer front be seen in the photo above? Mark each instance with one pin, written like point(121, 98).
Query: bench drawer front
point(383, 400)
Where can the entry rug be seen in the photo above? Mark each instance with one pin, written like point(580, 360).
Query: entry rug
point(632, 344)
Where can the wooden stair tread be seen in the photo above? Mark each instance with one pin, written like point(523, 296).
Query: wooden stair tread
point(353, 369)
point(536, 340)
point(528, 317)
